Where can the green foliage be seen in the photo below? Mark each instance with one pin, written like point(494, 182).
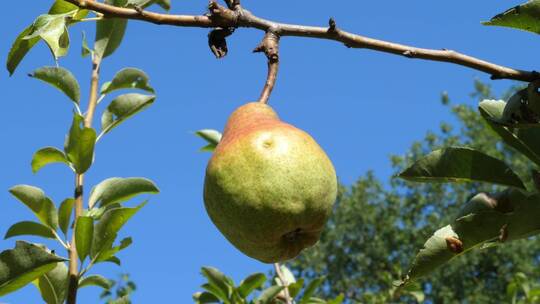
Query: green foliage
point(84, 233)
point(53, 285)
point(523, 17)
point(23, 264)
point(79, 146)
point(165, 4)
point(97, 229)
point(47, 156)
point(106, 230)
point(53, 30)
point(35, 199)
point(123, 107)
point(376, 229)
point(257, 289)
point(509, 215)
point(19, 49)
point(60, 78)
point(211, 136)
point(521, 140)
point(521, 290)
point(64, 214)
point(128, 78)
point(29, 228)
point(119, 292)
point(109, 33)
point(116, 190)
point(51, 27)
point(461, 164)
point(96, 280)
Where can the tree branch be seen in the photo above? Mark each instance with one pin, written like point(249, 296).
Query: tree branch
point(224, 17)
point(270, 47)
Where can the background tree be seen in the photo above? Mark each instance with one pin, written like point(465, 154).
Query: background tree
point(376, 229)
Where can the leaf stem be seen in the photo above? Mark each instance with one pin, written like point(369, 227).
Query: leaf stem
point(59, 239)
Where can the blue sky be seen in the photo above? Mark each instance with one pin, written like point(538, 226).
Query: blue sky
point(361, 106)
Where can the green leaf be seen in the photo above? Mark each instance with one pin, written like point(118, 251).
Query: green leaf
point(84, 233)
point(296, 287)
point(109, 33)
point(47, 155)
point(219, 280)
point(492, 111)
point(96, 280)
point(461, 164)
point(53, 285)
point(205, 298)
point(249, 284)
point(85, 49)
point(60, 78)
point(113, 260)
point(64, 214)
point(213, 289)
point(339, 299)
point(79, 146)
point(117, 190)
point(123, 107)
point(524, 17)
point(53, 30)
point(62, 7)
point(269, 294)
point(121, 300)
point(29, 228)
point(22, 265)
point(22, 44)
point(165, 4)
point(108, 255)
point(508, 216)
point(128, 78)
point(19, 49)
point(106, 229)
point(35, 199)
point(310, 290)
point(97, 213)
point(417, 295)
point(211, 136)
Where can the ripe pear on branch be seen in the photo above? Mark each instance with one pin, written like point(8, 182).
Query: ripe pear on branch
point(269, 187)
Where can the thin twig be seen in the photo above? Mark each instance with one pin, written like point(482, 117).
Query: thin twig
point(225, 18)
point(284, 282)
point(270, 47)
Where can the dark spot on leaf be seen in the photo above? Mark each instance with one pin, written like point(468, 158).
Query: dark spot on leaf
point(454, 244)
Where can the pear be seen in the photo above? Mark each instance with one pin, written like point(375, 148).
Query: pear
point(269, 187)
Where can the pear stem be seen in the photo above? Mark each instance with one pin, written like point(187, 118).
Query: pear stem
point(270, 47)
point(284, 282)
